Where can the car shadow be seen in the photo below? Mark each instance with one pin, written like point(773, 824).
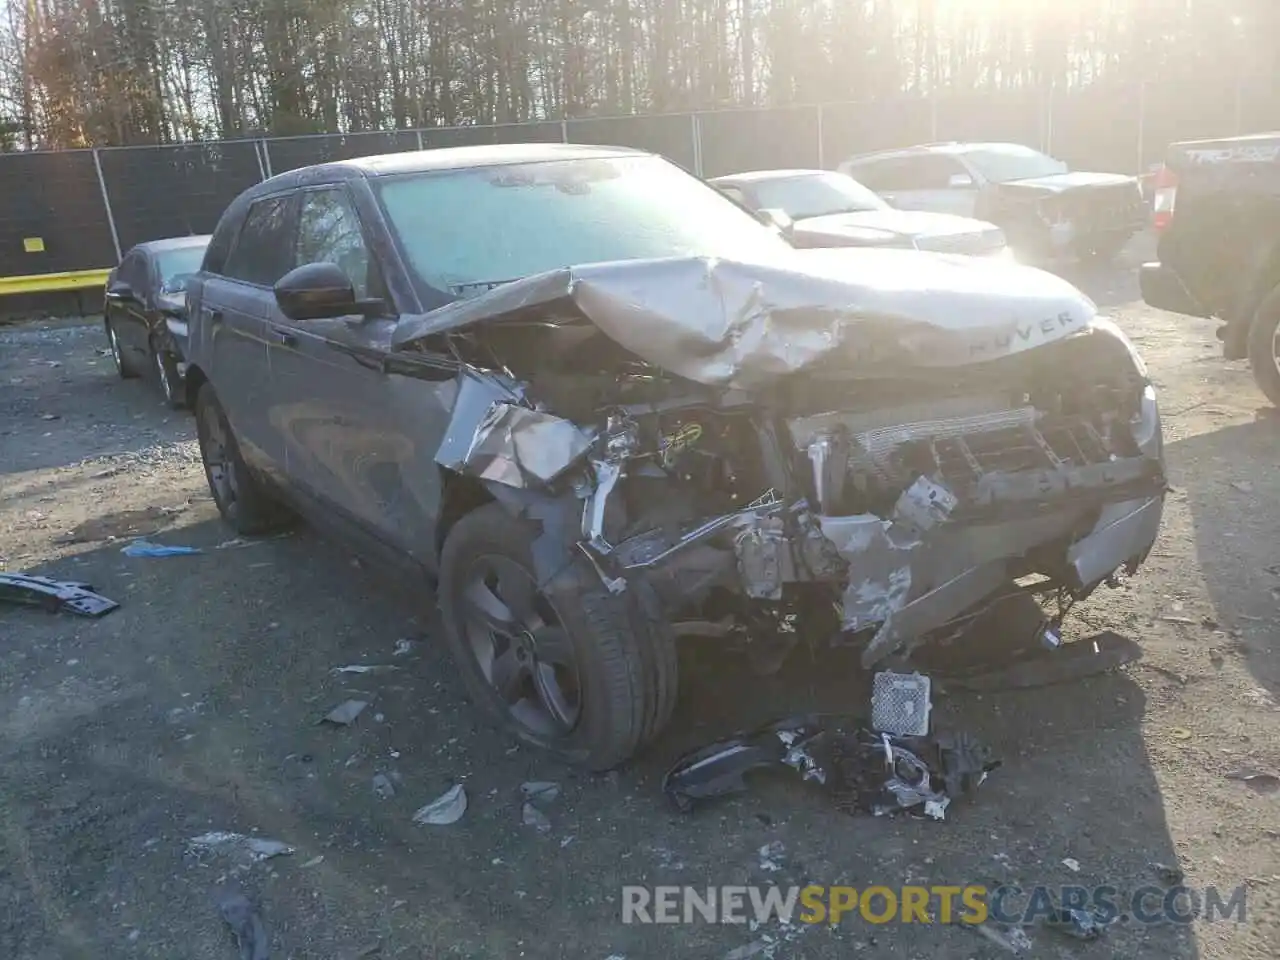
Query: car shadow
point(1228, 482)
point(195, 707)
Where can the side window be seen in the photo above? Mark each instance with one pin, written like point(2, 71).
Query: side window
point(132, 270)
point(734, 193)
point(925, 172)
point(260, 253)
point(329, 231)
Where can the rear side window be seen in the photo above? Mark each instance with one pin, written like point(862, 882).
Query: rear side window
point(261, 254)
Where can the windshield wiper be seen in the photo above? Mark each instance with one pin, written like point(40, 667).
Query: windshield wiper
point(478, 286)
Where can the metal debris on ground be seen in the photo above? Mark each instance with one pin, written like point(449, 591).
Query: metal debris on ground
point(445, 809)
point(54, 595)
point(238, 846)
point(363, 668)
point(246, 925)
point(145, 548)
point(900, 703)
point(860, 770)
point(345, 713)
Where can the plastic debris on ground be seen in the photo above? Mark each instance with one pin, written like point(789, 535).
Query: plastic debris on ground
point(535, 792)
point(345, 713)
point(245, 923)
point(145, 548)
point(238, 846)
point(383, 788)
point(1065, 663)
point(445, 809)
point(1077, 924)
point(1072, 864)
point(54, 595)
point(531, 816)
point(860, 770)
point(403, 648)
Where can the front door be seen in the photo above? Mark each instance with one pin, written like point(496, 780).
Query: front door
point(356, 436)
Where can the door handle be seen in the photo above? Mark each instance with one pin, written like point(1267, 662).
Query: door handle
point(214, 317)
point(285, 337)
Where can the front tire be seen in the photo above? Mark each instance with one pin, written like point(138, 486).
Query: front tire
point(240, 497)
point(585, 674)
point(1264, 346)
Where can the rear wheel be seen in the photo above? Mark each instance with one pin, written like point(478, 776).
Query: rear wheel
point(123, 365)
point(586, 674)
point(241, 499)
point(1264, 346)
point(165, 368)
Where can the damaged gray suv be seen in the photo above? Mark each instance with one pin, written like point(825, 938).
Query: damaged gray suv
point(603, 407)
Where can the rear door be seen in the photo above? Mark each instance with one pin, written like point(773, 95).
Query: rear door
point(355, 436)
point(234, 307)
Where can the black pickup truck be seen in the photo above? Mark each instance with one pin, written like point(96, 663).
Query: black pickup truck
point(1217, 205)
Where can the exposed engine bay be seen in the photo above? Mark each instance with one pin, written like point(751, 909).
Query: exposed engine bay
point(877, 511)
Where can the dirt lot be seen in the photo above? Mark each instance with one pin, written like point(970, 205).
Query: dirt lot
point(193, 708)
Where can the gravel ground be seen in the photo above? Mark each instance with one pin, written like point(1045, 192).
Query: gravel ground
point(194, 708)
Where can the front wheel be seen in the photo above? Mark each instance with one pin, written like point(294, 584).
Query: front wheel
point(586, 674)
point(241, 499)
point(1264, 346)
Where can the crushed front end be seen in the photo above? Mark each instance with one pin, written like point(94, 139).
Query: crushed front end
point(870, 464)
point(901, 515)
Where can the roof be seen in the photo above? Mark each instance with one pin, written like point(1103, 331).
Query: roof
point(174, 243)
point(947, 147)
point(755, 176)
point(455, 158)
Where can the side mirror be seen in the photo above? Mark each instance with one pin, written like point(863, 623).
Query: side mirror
point(121, 292)
point(778, 219)
point(960, 180)
point(320, 291)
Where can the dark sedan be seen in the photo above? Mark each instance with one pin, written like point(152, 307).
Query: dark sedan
point(605, 407)
point(145, 313)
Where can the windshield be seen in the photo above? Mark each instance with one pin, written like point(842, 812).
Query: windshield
point(177, 265)
point(816, 195)
point(1004, 162)
point(466, 230)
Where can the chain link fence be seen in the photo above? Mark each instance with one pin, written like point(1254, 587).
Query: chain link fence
point(87, 206)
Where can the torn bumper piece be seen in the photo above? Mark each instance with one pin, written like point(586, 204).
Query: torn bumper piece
point(861, 771)
point(77, 598)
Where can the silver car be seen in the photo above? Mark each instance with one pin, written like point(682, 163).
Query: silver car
point(1045, 209)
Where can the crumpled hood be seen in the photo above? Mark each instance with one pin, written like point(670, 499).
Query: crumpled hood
point(1062, 182)
point(853, 313)
point(907, 223)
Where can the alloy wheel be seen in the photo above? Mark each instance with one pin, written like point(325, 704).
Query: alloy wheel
point(520, 647)
point(162, 374)
point(114, 341)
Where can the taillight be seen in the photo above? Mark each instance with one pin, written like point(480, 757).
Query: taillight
point(1165, 184)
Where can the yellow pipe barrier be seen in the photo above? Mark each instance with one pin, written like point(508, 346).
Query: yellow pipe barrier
point(52, 282)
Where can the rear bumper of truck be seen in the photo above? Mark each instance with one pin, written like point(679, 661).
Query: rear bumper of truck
point(1163, 289)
